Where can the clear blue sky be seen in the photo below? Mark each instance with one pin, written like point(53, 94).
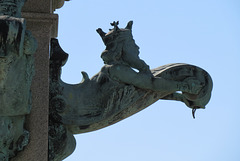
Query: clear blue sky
point(205, 33)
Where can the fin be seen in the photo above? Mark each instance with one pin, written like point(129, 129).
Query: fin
point(85, 77)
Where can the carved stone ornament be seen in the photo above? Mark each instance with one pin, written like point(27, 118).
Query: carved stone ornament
point(117, 91)
point(56, 4)
point(16, 70)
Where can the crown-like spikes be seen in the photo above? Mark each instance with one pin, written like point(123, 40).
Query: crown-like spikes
point(107, 37)
point(115, 25)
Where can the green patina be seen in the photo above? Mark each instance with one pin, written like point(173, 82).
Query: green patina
point(16, 71)
point(117, 91)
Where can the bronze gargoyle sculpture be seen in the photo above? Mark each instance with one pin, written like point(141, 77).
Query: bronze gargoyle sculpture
point(117, 91)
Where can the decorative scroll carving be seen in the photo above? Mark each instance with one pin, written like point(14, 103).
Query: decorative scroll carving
point(17, 47)
point(117, 91)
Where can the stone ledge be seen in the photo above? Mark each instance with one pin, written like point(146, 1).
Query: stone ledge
point(44, 18)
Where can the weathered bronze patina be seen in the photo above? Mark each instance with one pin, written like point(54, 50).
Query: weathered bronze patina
point(117, 91)
point(16, 70)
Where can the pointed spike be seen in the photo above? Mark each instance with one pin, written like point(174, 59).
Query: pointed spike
point(85, 77)
point(100, 32)
point(129, 25)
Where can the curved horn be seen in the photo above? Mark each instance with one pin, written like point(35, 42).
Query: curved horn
point(129, 25)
